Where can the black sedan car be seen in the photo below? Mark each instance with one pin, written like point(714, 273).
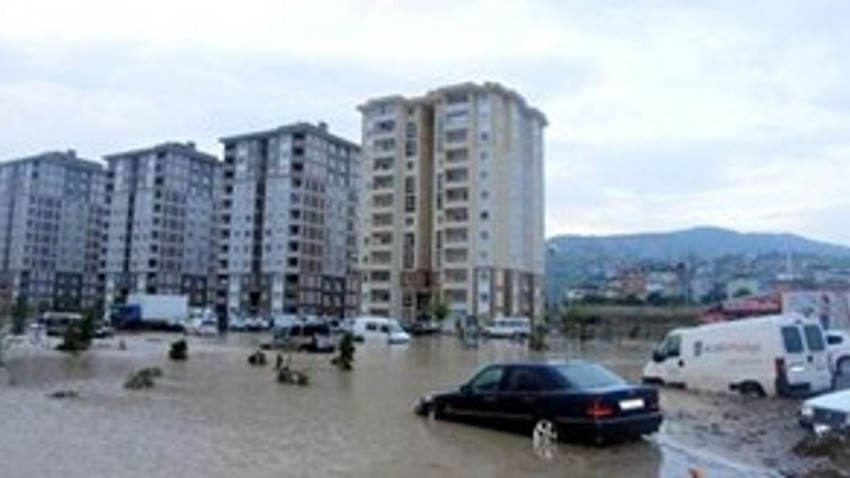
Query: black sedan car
point(556, 400)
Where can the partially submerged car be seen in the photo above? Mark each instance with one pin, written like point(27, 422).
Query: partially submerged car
point(554, 400)
point(828, 412)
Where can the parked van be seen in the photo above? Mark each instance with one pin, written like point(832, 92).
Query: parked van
point(310, 336)
point(773, 355)
point(508, 328)
point(57, 323)
point(379, 328)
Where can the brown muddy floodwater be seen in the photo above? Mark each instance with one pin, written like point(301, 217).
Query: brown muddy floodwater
point(215, 416)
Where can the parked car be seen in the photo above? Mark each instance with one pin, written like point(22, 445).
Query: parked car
point(203, 327)
point(508, 328)
point(772, 355)
point(255, 324)
point(826, 412)
point(103, 332)
point(236, 323)
point(424, 327)
point(556, 400)
point(838, 348)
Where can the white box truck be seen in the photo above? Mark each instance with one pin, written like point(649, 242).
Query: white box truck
point(772, 355)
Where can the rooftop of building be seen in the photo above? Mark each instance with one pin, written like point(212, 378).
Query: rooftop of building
point(472, 87)
point(187, 148)
point(57, 157)
point(319, 129)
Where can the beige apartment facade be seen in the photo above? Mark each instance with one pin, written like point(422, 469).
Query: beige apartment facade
point(452, 204)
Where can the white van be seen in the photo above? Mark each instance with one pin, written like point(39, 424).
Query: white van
point(773, 355)
point(508, 328)
point(379, 328)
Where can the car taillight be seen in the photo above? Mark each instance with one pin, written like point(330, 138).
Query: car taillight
point(597, 409)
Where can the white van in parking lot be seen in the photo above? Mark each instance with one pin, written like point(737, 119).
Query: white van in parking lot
point(372, 328)
point(773, 355)
point(508, 328)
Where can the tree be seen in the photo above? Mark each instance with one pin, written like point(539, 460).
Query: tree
point(20, 313)
point(78, 336)
point(4, 344)
point(440, 310)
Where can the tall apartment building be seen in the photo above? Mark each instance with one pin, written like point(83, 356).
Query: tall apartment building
point(452, 207)
point(289, 219)
point(161, 226)
point(51, 212)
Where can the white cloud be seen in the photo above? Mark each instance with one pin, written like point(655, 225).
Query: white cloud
point(663, 114)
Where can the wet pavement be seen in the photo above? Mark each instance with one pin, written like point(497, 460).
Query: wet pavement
point(214, 415)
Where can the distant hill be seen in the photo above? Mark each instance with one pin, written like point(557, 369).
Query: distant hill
point(572, 257)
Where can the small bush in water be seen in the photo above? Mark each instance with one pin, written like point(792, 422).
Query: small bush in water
point(144, 378)
point(179, 350)
point(345, 359)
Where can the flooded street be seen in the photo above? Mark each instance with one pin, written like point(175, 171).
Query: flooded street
point(215, 416)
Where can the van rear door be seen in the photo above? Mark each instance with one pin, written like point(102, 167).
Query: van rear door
point(804, 367)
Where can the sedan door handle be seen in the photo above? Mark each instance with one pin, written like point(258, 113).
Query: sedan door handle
point(489, 398)
point(529, 399)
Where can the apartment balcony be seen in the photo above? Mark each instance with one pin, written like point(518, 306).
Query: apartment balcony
point(456, 215)
point(383, 164)
point(458, 277)
point(380, 279)
point(456, 195)
point(456, 175)
point(456, 154)
point(456, 256)
point(456, 235)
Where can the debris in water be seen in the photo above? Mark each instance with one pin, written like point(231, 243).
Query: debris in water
point(257, 358)
point(144, 378)
point(64, 394)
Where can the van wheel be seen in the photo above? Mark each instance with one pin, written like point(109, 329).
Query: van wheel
point(545, 432)
point(751, 389)
point(843, 367)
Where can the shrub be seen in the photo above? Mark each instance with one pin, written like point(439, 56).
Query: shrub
point(537, 341)
point(345, 359)
point(143, 378)
point(179, 350)
point(293, 377)
point(257, 358)
point(77, 336)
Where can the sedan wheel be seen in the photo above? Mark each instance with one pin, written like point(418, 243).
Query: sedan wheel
point(545, 432)
point(434, 412)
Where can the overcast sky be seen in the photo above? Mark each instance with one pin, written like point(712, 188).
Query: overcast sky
point(663, 114)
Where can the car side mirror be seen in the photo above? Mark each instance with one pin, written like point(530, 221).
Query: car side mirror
point(658, 356)
point(465, 389)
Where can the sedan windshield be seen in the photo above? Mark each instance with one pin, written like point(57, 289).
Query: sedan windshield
point(589, 376)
